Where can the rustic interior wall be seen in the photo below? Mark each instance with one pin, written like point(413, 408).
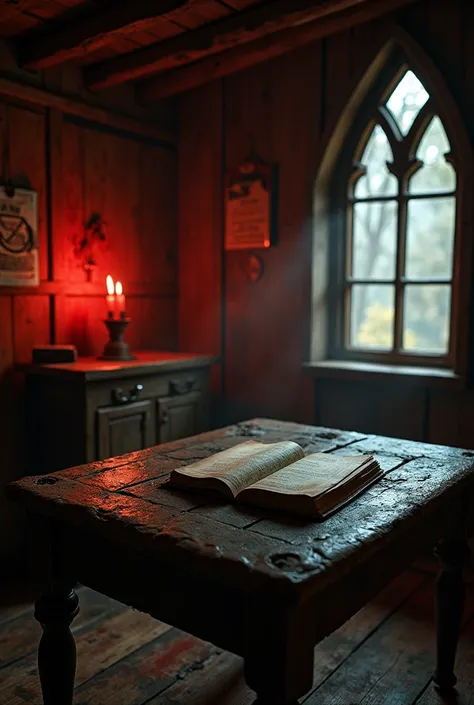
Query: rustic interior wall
point(80, 167)
point(289, 108)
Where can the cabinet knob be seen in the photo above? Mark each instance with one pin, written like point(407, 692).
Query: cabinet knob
point(164, 418)
point(121, 397)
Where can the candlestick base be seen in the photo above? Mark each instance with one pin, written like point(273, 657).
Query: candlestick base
point(116, 348)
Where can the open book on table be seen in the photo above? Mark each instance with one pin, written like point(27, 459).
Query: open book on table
point(280, 476)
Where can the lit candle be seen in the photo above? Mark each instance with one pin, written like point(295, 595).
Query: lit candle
point(120, 299)
point(110, 298)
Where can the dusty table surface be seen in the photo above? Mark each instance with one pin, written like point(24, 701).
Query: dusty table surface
point(123, 499)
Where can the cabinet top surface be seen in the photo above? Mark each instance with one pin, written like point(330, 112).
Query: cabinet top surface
point(146, 362)
point(124, 500)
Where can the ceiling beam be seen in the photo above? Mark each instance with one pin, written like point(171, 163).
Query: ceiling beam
point(268, 47)
point(239, 28)
point(89, 113)
point(89, 33)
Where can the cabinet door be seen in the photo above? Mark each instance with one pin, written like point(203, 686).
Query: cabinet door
point(123, 429)
point(181, 416)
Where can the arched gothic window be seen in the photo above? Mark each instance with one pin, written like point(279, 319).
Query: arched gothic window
point(394, 193)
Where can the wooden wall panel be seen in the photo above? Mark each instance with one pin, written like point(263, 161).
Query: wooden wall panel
point(69, 201)
point(335, 71)
point(103, 172)
point(31, 316)
point(27, 165)
point(157, 216)
point(290, 106)
point(80, 167)
point(153, 323)
point(444, 426)
point(6, 334)
point(388, 409)
point(79, 322)
point(152, 326)
point(266, 341)
point(200, 224)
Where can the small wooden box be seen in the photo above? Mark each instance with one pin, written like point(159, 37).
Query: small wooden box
point(53, 354)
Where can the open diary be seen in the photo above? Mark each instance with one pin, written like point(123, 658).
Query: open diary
point(280, 476)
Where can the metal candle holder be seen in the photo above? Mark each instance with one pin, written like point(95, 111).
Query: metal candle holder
point(116, 348)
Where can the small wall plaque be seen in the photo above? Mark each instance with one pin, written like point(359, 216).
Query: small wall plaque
point(19, 263)
point(250, 205)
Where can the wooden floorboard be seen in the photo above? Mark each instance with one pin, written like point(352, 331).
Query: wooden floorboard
point(384, 655)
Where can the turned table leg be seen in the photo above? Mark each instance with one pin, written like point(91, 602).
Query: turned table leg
point(57, 649)
point(453, 554)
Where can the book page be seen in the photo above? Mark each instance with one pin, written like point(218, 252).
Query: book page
point(313, 475)
point(244, 464)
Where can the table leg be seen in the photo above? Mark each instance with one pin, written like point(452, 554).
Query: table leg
point(453, 554)
point(57, 649)
point(278, 660)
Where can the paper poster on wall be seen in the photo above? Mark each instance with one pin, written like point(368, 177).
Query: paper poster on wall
point(250, 200)
point(19, 263)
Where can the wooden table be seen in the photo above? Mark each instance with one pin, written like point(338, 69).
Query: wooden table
point(265, 586)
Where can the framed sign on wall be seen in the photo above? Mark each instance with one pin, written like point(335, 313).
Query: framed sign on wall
point(250, 205)
point(19, 263)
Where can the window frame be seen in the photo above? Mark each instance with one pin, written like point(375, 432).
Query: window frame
point(345, 171)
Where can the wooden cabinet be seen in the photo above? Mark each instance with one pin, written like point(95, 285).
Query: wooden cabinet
point(92, 410)
point(124, 429)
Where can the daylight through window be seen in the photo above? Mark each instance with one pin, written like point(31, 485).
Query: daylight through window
point(401, 230)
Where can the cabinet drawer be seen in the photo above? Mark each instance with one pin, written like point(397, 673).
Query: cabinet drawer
point(124, 429)
point(131, 389)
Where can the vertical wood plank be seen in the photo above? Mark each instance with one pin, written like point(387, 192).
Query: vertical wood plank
point(341, 407)
point(56, 193)
point(364, 47)
point(6, 334)
point(153, 324)
point(71, 216)
point(12, 440)
point(468, 44)
point(80, 323)
point(465, 418)
point(27, 149)
point(126, 245)
point(97, 173)
point(446, 48)
point(32, 325)
point(444, 417)
point(338, 79)
point(157, 217)
point(267, 323)
point(4, 162)
point(200, 223)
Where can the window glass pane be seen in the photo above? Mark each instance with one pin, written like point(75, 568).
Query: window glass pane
point(372, 309)
point(437, 174)
point(377, 181)
point(406, 101)
point(430, 238)
point(374, 240)
point(426, 318)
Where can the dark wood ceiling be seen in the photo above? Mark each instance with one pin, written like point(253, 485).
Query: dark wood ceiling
point(167, 46)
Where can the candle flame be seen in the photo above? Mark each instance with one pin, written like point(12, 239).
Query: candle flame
point(118, 288)
point(110, 285)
